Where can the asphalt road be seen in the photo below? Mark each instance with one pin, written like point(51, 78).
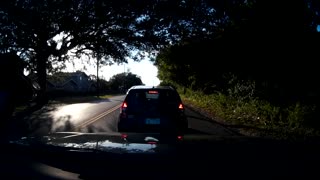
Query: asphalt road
point(100, 116)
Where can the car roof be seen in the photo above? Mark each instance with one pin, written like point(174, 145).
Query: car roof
point(151, 87)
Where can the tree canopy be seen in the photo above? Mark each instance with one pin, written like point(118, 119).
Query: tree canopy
point(108, 29)
point(261, 42)
point(51, 31)
point(123, 81)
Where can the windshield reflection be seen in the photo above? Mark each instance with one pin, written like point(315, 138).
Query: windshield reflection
point(110, 146)
point(87, 145)
point(128, 147)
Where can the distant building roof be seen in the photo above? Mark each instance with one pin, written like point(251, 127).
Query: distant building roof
point(62, 78)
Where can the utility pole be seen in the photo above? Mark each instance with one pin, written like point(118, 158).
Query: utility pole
point(124, 79)
point(98, 61)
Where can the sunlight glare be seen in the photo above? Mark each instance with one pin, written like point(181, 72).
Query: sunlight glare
point(70, 114)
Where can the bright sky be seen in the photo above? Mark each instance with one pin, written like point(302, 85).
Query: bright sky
point(145, 69)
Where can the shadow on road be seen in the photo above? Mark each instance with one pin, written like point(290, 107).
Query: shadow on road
point(107, 123)
point(38, 123)
point(94, 129)
point(200, 118)
point(119, 100)
point(194, 131)
point(195, 115)
point(235, 129)
point(63, 124)
point(51, 118)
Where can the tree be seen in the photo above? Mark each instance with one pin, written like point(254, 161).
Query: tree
point(123, 81)
point(44, 31)
point(103, 85)
point(255, 43)
point(15, 87)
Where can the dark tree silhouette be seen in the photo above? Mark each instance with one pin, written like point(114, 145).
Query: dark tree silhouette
point(260, 41)
point(123, 81)
point(45, 31)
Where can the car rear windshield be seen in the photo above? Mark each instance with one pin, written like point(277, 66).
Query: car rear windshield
point(143, 96)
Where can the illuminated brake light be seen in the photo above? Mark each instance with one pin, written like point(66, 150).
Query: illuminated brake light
point(179, 137)
point(124, 105)
point(124, 136)
point(152, 92)
point(123, 109)
point(181, 106)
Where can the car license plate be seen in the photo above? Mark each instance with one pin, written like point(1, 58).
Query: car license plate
point(152, 121)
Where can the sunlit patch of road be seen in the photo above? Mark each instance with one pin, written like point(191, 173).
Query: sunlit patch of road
point(100, 116)
point(73, 114)
point(69, 117)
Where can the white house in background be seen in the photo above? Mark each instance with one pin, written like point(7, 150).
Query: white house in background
point(77, 82)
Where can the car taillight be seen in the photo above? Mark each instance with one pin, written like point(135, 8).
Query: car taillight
point(124, 105)
point(124, 136)
point(181, 106)
point(180, 138)
point(152, 142)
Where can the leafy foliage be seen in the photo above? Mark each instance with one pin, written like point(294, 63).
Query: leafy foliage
point(255, 117)
point(248, 38)
point(236, 52)
point(43, 32)
point(244, 72)
point(94, 27)
point(123, 81)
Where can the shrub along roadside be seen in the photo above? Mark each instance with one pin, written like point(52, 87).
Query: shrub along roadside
point(252, 116)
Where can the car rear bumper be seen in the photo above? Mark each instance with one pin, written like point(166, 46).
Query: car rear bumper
point(178, 125)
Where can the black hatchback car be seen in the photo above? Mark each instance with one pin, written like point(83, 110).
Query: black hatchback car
point(152, 109)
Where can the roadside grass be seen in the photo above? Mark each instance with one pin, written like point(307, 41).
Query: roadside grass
point(106, 96)
point(20, 109)
point(252, 116)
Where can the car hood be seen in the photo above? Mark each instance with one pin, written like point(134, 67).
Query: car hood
point(130, 155)
point(147, 143)
point(99, 142)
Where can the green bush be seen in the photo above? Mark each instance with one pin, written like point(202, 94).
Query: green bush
point(239, 106)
